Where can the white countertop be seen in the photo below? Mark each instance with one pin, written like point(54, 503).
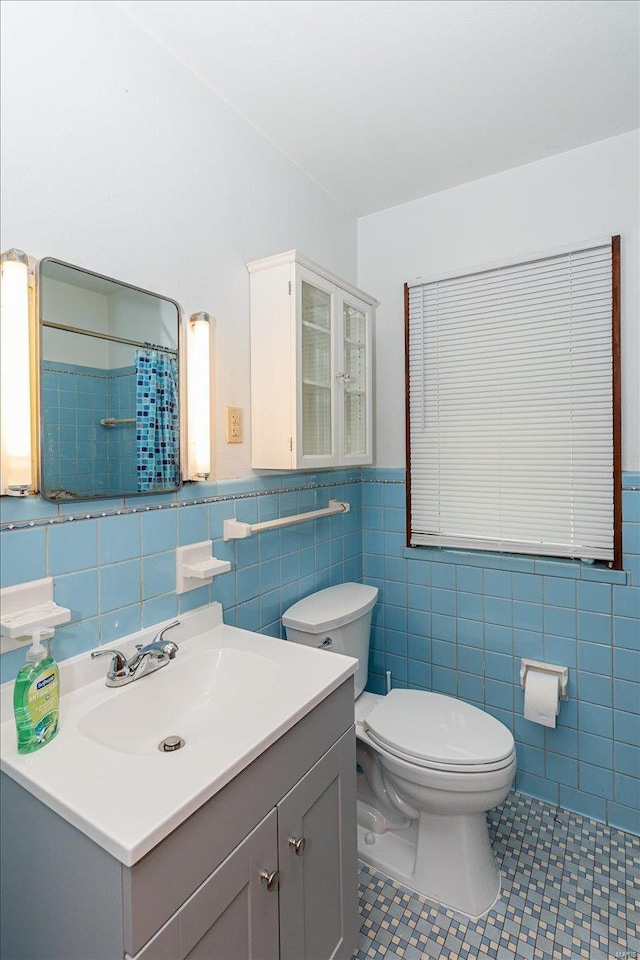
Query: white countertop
point(127, 802)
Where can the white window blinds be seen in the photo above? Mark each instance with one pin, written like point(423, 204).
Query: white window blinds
point(510, 407)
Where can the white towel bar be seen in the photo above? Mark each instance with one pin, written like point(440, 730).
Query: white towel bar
point(238, 530)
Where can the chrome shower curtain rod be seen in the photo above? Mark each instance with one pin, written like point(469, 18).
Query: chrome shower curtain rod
point(106, 336)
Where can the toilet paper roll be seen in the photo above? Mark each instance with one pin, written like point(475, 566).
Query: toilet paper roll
point(541, 698)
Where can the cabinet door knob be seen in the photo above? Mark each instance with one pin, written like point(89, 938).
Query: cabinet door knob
point(297, 845)
point(272, 880)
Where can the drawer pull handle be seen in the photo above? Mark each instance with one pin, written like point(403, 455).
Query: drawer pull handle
point(297, 845)
point(272, 880)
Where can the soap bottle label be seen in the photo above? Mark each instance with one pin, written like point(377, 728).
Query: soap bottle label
point(42, 706)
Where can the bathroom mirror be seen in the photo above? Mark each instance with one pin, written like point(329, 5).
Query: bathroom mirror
point(109, 386)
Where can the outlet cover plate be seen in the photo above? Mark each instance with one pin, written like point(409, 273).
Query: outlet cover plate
point(234, 424)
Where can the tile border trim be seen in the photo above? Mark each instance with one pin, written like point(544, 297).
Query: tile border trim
point(10, 525)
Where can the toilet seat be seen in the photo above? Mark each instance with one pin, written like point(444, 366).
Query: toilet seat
point(463, 770)
point(439, 732)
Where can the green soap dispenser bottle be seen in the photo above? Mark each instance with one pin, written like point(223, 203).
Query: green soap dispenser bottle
point(36, 697)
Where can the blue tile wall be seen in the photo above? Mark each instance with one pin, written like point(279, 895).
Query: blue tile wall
point(121, 440)
point(449, 621)
point(470, 617)
point(74, 398)
point(81, 455)
point(114, 564)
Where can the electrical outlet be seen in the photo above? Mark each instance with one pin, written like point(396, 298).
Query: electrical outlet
point(234, 424)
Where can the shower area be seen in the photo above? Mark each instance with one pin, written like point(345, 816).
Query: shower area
point(109, 387)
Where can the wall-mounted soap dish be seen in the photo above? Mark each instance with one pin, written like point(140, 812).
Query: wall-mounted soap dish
point(28, 607)
point(196, 566)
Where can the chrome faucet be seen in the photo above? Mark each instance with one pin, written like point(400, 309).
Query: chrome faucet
point(147, 659)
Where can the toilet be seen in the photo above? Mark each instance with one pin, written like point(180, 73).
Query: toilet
point(429, 766)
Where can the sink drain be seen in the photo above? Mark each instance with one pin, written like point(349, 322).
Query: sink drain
point(169, 744)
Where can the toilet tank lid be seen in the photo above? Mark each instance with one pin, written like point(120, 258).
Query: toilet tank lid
point(331, 608)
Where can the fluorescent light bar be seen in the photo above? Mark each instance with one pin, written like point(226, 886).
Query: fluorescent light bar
point(199, 397)
point(16, 478)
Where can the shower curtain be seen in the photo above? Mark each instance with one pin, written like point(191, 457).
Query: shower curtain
point(157, 419)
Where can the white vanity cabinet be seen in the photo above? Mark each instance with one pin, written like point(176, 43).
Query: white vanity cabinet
point(265, 869)
point(311, 367)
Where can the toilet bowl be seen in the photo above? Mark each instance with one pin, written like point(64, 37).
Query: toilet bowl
point(429, 766)
point(450, 762)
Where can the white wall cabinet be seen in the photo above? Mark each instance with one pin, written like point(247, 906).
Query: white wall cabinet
point(202, 893)
point(311, 367)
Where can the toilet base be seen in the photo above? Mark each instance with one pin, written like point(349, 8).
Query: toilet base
point(455, 866)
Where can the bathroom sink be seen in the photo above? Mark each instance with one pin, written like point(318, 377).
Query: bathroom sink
point(195, 697)
point(229, 694)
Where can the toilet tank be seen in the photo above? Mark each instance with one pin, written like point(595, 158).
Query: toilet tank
point(340, 615)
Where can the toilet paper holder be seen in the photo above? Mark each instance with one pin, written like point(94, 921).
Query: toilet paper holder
point(562, 673)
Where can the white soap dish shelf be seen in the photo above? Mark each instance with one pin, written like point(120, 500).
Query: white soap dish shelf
point(196, 566)
point(29, 607)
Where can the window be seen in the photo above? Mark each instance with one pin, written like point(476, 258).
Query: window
point(513, 406)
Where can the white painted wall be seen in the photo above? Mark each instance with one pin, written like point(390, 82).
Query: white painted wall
point(580, 195)
point(117, 158)
point(134, 315)
point(75, 307)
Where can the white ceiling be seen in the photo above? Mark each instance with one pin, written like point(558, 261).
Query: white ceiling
point(384, 101)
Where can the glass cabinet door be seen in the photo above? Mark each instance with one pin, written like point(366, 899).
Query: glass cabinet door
point(311, 373)
point(356, 349)
point(316, 336)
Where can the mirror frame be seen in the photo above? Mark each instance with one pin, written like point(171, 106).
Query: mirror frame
point(182, 394)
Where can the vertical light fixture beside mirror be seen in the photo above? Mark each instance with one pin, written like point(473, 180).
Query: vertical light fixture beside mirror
point(18, 443)
point(199, 396)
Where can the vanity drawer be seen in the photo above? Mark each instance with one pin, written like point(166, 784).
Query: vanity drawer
point(156, 886)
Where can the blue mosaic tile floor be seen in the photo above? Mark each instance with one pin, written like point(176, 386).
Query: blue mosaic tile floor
point(570, 888)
